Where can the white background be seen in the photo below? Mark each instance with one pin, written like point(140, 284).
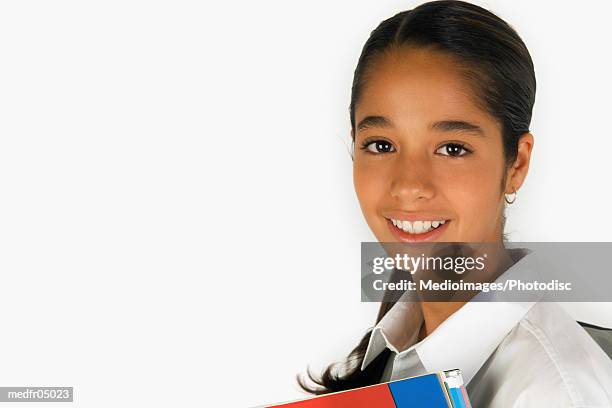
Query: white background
point(178, 225)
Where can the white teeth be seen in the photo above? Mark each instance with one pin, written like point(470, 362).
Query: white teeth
point(417, 227)
point(406, 226)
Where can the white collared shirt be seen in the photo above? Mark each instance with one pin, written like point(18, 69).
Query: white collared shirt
point(511, 354)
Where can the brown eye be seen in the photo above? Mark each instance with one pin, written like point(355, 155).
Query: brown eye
point(453, 150)
point(378, 146)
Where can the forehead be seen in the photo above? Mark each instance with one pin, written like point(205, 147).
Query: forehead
point(416, 85)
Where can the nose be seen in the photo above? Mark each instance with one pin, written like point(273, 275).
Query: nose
point(412, 181)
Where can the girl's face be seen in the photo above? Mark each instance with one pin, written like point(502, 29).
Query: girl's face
point(429, 161)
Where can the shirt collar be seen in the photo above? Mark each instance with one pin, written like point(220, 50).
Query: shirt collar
point(465, 340)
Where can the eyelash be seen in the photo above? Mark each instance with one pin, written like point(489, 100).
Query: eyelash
point(366, 143)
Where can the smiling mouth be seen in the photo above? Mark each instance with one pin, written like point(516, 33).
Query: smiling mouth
point(418, 227)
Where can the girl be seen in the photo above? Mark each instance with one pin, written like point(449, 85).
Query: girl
point(441, 106)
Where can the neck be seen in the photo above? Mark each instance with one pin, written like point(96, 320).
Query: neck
point(434, 313)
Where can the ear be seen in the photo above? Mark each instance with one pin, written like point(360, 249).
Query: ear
point(518, 170)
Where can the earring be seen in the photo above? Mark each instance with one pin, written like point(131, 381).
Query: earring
point(513, 198)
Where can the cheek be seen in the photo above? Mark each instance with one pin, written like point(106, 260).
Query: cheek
point(475, 198)
point(370, 191)
point(366, 187)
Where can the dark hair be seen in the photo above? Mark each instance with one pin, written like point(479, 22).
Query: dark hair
point(497, 64)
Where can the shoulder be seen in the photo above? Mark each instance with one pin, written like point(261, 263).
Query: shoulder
point(547, 359)
point(565, 356)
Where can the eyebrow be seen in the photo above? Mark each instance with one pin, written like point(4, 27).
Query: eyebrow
point(457, 125)
point(374, 121)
